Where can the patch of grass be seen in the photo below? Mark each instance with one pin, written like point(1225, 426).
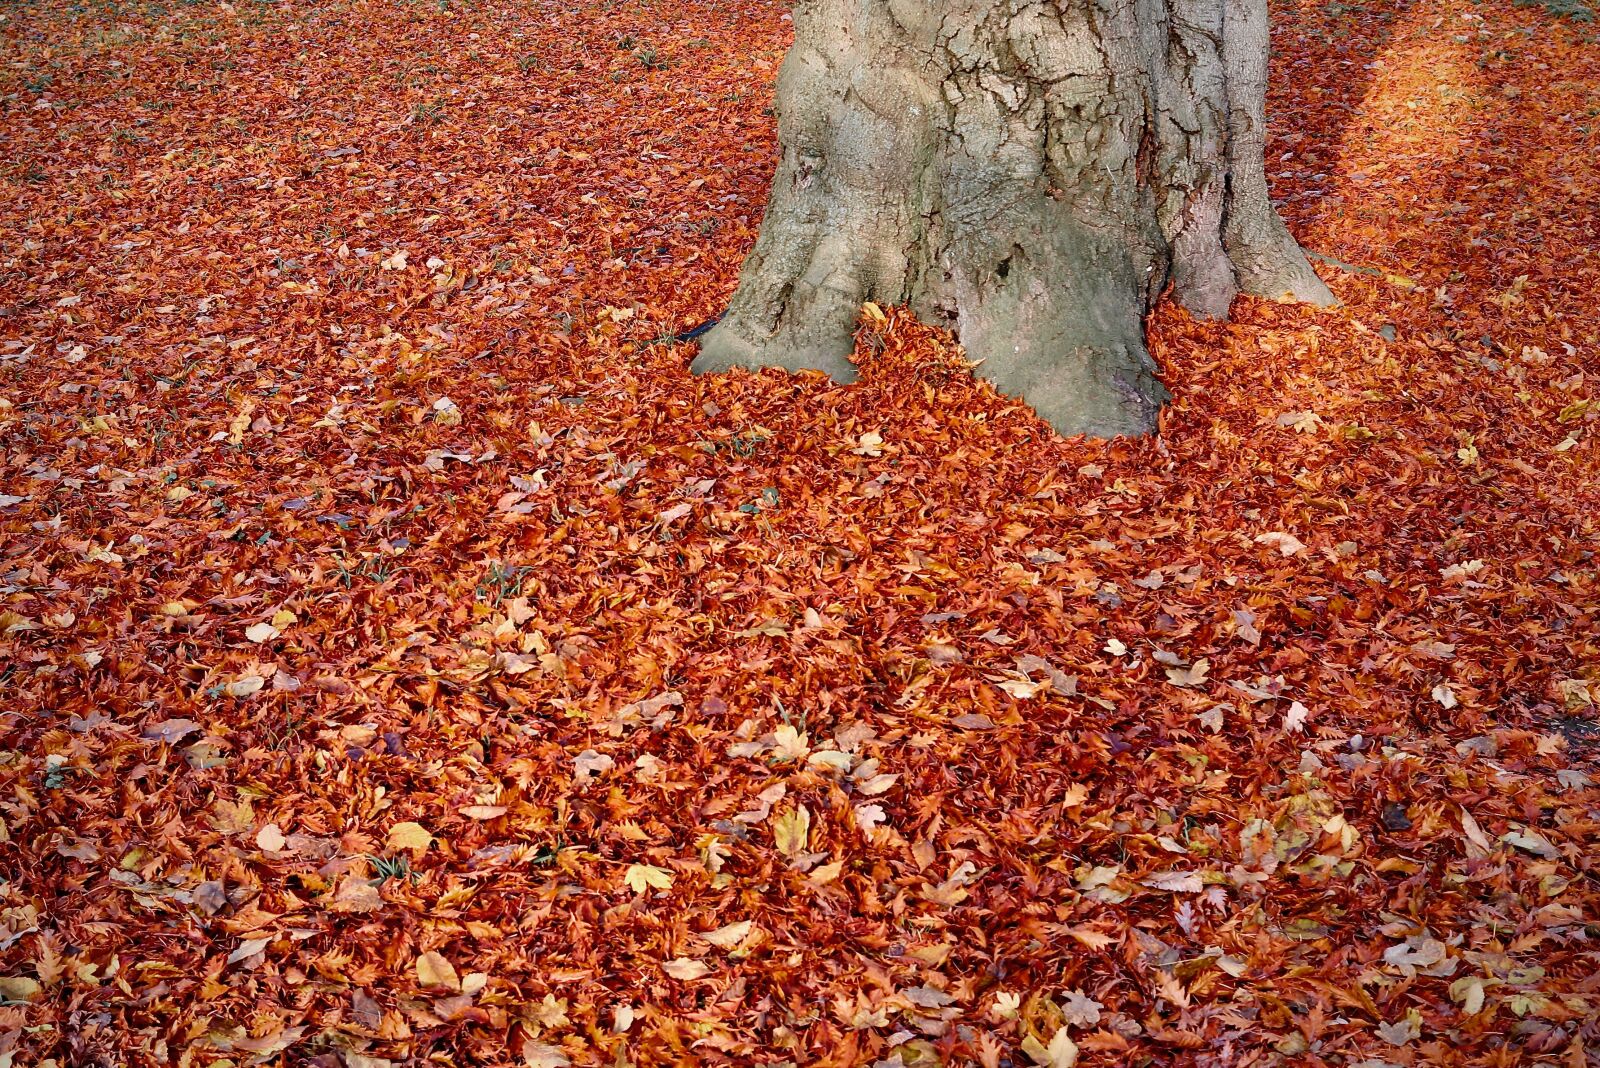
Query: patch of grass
point(428, 113)
point(1569, 9)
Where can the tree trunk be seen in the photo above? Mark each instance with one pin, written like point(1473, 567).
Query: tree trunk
point(1029, 173)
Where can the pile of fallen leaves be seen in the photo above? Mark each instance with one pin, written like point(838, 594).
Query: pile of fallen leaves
point(406, 661)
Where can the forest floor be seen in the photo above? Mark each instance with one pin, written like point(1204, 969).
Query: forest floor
point(406, 661)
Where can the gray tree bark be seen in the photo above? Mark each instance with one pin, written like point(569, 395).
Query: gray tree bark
point(1029, 173)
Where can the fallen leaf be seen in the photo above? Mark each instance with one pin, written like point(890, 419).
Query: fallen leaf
point(434, 971)
point(730, 936)
point(261, 632)
point(409, 836)
point(642, 877)
point(685, 968)
point(1286, 544)
point(1177, 882)
point(791, 827)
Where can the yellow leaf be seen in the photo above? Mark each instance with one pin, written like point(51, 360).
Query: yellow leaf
point(412, 836)
point(790, 830)
point(827, 873)
point(642, 877)
point(1468, 993)
point(434, 971)
point(270, 839)
point(18, 988)
point(240, 423)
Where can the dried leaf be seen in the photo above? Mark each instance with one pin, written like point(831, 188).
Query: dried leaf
point(643, 877)
point(434, 971)
point(409, 836)
point(791, 828)
point(685, 968)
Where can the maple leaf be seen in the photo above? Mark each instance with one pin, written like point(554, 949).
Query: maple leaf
point(1402, 1031)
point(551, 1012)
point(1062, 1052)
point(1190, 676)
point(1303, 422)
point(789, 744)
point(869, 444)
point(1006, 1004)
point(642, 877)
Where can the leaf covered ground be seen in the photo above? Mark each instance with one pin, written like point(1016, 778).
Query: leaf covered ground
point(406, 661)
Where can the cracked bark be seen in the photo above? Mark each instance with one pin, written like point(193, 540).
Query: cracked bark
point(1029, 173)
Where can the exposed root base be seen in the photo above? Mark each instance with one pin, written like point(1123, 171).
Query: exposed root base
point(1031, 176)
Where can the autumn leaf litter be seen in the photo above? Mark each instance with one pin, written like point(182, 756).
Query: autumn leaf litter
point(405, 658)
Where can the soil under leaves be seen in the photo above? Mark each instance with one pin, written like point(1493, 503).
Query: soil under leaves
point(405, 660)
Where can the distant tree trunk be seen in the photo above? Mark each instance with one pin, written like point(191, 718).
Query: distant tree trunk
point(1029, 173)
